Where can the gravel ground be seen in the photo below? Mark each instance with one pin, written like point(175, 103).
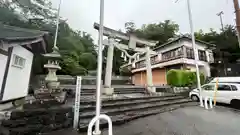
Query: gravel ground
point(184, 121)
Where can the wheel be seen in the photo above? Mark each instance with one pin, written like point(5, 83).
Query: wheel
point(194, 98)
point(235, 103)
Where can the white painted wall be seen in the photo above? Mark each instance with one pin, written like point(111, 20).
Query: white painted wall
point(18, 78)
point(204, 67)
point(190, 62)
point(186, 43)
point(3, 61)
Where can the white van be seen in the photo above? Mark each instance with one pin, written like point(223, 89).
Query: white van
point(228, 93)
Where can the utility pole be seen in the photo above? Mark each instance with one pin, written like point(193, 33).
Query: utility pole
point(221, 53)
point(220, 15)
point(196, 58)
point(237, 12)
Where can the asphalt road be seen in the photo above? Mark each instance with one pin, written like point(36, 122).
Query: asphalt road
point(184, 121)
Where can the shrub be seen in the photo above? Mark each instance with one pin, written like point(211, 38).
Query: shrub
point(183, 78)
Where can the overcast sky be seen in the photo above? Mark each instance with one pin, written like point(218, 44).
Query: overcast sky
point(81, 14)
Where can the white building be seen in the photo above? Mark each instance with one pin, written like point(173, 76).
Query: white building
point(17, 48)
point(175, 54)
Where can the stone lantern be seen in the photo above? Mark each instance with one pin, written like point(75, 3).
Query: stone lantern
point(52, 66)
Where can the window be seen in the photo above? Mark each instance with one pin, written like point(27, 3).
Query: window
point(153, 60)
point(202, 55)
point(234, 88)
point(190, 53)
point(224, 87)
point(208, 87)
point(18, 61)
point(172, 53)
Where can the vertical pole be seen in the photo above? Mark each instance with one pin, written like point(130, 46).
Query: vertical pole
point(149, 70)
point(77, 103)
point(238, 37)
point(237, 11)
point(108, 73)
point(215, 92)
point(99, 69)
point(221, 21)
point(195, 51)
point(57, 25)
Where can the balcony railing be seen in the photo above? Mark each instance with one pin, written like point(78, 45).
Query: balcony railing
point(181, 52)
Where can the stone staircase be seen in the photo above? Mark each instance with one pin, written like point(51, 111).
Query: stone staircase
point(90, 90)
point(127, 109)
point(121, 110)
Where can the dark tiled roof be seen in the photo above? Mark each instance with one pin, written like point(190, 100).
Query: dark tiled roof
point(10, 33)
point(184, 37)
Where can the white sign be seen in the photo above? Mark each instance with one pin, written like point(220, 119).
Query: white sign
point(77, 102)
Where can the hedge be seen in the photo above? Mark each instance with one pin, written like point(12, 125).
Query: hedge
point(183, 78)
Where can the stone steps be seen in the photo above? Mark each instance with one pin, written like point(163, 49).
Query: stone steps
point(91, 90)
point(131, 115)
point(122, 110)
point(133, 99)
point(139, 107)
point(115, 92)
point(122, 103)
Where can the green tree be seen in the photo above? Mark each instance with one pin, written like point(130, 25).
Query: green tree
point(76, 47)
point(160, 32)
point(227, 46)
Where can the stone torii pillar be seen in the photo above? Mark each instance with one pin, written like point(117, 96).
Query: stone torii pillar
point(133, 41)
point(108, 72)
point(149, 70)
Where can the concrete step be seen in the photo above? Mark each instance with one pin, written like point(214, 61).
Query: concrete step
point(140, 98)
point(128, 103)
point(122, 118)
point(85, 93)
point(118, 91)
point(138, 107)
point(120, 110)
point(115, 90)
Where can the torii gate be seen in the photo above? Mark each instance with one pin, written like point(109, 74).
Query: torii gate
point(132, 45)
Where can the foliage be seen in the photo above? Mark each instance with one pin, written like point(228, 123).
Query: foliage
point(226, 42)
point(183, 78)
point(125, 72)
point(160, 32)
point(76, 47)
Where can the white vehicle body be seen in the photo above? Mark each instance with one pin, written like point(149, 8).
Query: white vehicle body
point(226, 80)
point(226, 93)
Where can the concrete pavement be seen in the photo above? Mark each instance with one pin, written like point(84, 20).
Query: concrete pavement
point(184, 121)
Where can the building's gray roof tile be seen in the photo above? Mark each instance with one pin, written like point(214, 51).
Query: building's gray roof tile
point(15, 33)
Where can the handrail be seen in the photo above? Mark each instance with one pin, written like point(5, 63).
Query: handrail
point(93, 121)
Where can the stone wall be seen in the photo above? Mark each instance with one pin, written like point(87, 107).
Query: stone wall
point(181, 89)
point(35, 121)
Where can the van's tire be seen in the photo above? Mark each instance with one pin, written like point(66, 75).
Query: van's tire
point(235, 103)
point(195, 98)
